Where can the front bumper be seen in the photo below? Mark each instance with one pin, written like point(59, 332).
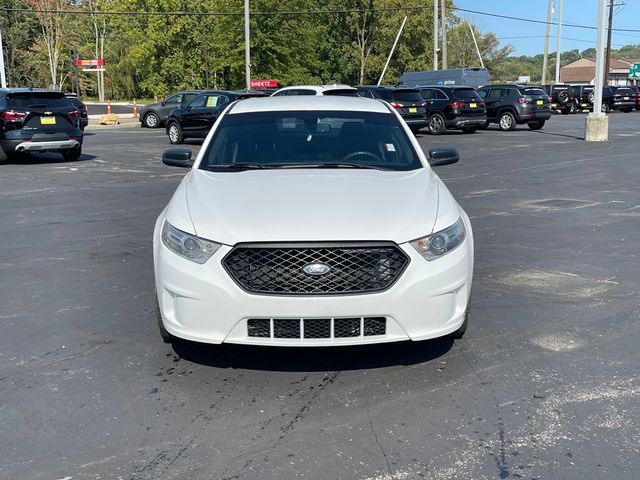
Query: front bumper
point(202, 303)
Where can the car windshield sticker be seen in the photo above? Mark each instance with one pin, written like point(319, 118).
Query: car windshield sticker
point(211, 101)
point(390, 147)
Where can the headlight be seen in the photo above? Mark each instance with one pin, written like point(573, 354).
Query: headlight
point(437, 244)
point(188, 246)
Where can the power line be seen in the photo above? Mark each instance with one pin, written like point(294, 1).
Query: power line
point(298, 12)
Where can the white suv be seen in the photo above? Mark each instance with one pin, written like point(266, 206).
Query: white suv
point(317, 90)
point(312, 221)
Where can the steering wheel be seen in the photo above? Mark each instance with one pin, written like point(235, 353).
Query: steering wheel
point(362, 154)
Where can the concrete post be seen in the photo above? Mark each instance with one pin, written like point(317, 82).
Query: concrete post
point(597, 123)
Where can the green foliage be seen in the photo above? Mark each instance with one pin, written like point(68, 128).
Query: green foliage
point(152, 55)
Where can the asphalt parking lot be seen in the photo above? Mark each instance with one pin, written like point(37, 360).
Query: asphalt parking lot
point(543, 386)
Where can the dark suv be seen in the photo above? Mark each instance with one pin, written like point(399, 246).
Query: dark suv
point(512, 105)
point(618, 98)
point(33, 120)
point(155, 115)
point(560, 98)
point(582, 97)
point(407, 101)
point(196, 119)
point(453, 108)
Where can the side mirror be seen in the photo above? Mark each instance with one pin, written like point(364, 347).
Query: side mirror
point(177, 157)
point(163, 103)
point(440, 156)
point(188, 108)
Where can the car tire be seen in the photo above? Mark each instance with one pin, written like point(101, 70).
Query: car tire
point(4, 158)
point(536, 125)
point(573, 109)
point(175, 133)
point(563, 98)
point(507, 121)
point(484, 125)
point(436, 124)
point(72, 155)
point(151, 120)
point(626, 110)
point(459, 333)
point(605, 107)
point(591, 96)
point(566, 111)
point(469, 129)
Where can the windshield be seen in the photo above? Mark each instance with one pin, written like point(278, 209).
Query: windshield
point(38, 100)
point(310, 139)
point(407, 96)
point(534, 92)
point(466, 94)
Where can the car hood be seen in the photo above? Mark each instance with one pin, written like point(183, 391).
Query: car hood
point(311, 205)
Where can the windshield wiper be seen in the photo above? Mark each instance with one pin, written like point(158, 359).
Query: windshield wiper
point(237, 166)
point(329, 165)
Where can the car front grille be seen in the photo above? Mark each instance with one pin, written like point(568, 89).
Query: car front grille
point(279, 269)
point(316, 328)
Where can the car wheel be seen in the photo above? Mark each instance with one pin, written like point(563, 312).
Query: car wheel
point(573, 109)
point(484, 125)
point(566, 111)
point(175, 134)
point(459, 333)
point(72, 155)
point(591, 97)
point(469, 129)
point(536, 125)
point(151, 120)
point(563, 98)
point(626, 110)
point(4, 158)
point(507, 121)
point(436, 124)
point(605, 107)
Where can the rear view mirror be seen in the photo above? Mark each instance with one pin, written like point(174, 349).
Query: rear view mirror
point(440, 156)
point(178, 157)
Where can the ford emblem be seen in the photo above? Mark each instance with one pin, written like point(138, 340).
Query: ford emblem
point(316, 269)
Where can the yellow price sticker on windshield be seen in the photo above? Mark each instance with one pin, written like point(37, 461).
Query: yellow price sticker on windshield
point(211, 101)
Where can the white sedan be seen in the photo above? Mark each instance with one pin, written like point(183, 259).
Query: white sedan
point(308, 221)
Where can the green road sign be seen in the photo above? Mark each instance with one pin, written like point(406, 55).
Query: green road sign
point(634, 70)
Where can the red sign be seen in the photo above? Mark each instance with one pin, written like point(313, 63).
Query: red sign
point(98, 62)
point(264, 83)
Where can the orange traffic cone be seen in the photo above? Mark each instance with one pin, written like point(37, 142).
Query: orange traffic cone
point(135, 108)
point(108, 107)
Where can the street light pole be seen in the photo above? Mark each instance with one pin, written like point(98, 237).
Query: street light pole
point(558, 43)
point(247, 45)
point(435, 34)
point(545, 59)
point(597, 123)
point(3, 79)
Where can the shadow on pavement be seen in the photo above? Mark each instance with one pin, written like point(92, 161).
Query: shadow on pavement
point(313, 359)
point(45, 158)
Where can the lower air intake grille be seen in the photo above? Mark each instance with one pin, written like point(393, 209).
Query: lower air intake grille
point(316, 328)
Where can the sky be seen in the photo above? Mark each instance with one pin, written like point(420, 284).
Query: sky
point(579, 12)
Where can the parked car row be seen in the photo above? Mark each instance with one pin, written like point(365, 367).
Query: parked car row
point(576, 98)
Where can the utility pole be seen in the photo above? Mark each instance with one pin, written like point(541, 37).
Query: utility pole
point(607, 64)
point(545, 61)
point(558, 43)
point(3, 79)
point(597, 123)
point(247, 45)
point(435, 34)
point(444, 36)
